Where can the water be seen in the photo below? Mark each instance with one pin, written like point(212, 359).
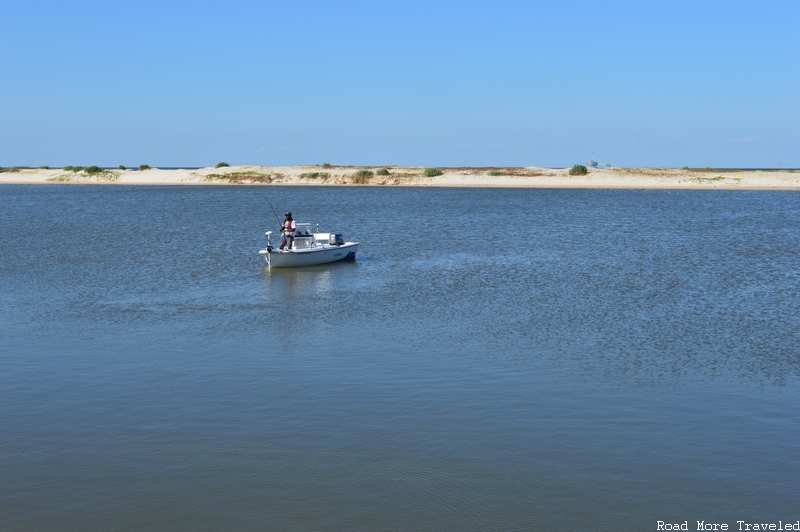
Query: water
point(496, 359)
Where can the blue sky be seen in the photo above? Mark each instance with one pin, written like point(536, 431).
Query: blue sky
point(408, 83)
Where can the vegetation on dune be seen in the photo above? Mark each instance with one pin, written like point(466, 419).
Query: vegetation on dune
point(44, 168)
point(432, 172)
point(143, 167)
point(13, 169)
point(221, 165)
point(94, 171)
point(708, 170)
point(121, 167)
point(382, 171)
point(578, 169)
point(361, 177)
point(662, 172)
point(315, 175)
point(707, 179)
point(496, 171)
point(326, 165)
point(241, 177)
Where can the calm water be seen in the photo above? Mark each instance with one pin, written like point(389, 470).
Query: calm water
point(494, 360)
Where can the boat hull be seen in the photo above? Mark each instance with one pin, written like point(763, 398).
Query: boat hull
point(309, 257)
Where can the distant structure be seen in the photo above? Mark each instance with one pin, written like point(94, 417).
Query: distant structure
point(594, 164)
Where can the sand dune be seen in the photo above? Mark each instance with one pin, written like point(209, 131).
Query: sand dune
point(415, 176)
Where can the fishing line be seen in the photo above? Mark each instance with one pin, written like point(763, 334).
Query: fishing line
point(273, 209)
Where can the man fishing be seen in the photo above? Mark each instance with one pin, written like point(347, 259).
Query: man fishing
point(287, 232)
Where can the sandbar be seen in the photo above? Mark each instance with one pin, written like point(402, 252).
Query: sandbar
point(501, 177)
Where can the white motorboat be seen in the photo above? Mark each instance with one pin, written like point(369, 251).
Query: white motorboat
point(309, 248)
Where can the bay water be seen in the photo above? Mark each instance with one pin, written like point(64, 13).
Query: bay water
point(495, 359)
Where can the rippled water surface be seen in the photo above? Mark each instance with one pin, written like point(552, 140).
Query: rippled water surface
point(495, 359)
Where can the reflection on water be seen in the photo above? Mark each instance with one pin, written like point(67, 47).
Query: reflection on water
point(307, 280)
point(522, 359)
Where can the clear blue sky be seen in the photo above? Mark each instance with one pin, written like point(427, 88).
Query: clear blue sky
point(181, 83)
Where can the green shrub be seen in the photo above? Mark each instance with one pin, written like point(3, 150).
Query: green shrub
point(143, 167)
point(121, 167)
point(326, 165)
point(242, 177)
point(432, 172)
point(382, 171)
point(44, 168)
point(93, 169)
point(221, 165)
point(578, 169)
point(496, 173)
point(362, 176)
point(316, 175)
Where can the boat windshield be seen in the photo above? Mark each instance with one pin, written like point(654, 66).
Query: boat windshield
point(302, 229)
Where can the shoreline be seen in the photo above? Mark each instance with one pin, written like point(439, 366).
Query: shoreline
point(403, 176)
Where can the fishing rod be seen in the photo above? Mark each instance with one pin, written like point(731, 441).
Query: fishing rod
point(273, 209)
point(269, 239)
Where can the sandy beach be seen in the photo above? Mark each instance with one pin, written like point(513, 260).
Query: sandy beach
point(322, 175)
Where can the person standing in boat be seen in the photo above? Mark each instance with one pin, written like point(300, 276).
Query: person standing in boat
point(287, 232)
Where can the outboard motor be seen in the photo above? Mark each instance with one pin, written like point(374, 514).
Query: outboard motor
point(337, 239)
